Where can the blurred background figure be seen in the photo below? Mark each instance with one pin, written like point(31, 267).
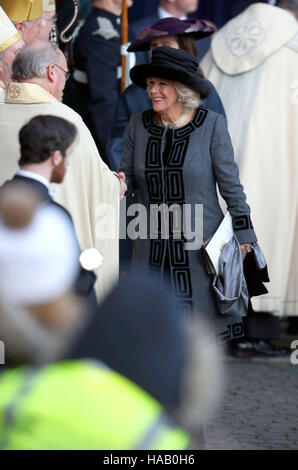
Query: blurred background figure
point(181, 9)
point(169, 8)
point(49, 19)
point(90, 188)
point(253, 64)
point(73, 404)
point(65, 12)
point(95, 87)
point(176, 360)
point(10, 42)
point(46, 145)
point(39, 265)
point(26, 16)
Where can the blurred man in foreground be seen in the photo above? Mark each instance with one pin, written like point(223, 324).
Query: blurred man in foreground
point(46, 145)
point(75, 404)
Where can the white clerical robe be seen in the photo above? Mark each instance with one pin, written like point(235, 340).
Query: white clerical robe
point(253, 63)
point(90, 191)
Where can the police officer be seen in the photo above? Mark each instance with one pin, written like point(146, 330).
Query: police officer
point(97, 69)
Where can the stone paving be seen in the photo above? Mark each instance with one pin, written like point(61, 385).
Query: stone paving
point(259, 409)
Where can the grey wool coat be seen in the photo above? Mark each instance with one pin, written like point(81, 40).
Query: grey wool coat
point(178, 167)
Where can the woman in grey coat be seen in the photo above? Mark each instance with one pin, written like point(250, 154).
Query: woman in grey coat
point(176, 154)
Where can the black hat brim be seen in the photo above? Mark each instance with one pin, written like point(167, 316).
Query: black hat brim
point(140, 73)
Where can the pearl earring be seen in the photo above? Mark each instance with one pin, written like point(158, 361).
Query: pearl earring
point(179, 100)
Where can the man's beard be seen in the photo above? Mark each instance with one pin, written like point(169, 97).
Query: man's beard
point(58, 173)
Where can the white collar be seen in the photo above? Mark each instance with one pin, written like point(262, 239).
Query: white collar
point(34, 176)
point(162, 13)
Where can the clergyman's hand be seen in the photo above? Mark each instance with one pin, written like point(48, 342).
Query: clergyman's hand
point(123, 187)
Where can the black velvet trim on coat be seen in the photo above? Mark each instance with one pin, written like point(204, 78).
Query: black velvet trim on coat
point(233, 331)
point(242, 222)
point(164, 178)
point(180, 133)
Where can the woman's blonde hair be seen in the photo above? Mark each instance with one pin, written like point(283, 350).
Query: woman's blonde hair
point(189, 98)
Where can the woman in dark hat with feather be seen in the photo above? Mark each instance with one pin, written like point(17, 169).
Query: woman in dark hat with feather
point(176, 154)
point(171, 32)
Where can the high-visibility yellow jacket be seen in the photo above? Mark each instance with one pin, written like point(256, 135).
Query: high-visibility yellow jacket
point(80, 405)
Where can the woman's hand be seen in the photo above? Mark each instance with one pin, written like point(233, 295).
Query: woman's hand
point(245, 248)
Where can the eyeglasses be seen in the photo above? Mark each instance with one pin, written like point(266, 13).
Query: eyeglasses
point(67, 73)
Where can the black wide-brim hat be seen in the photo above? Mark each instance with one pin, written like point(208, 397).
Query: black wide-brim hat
point(197, 29)
point(171, 64)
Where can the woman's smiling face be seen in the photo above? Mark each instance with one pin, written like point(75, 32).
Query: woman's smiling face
point(162, 93)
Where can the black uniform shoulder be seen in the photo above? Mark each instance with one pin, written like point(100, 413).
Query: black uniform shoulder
point(103, 24)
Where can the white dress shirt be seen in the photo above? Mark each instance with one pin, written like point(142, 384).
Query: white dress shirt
point(41, 179)
point(162, 13)
point(34, 176)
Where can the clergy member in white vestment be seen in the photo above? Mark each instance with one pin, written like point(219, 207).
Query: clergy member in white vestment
point(253, 63)
point(48, 18)
point(90, 191)
point(26, 16)
point(10, 42)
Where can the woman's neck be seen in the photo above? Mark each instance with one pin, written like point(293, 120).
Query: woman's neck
point(172, 116)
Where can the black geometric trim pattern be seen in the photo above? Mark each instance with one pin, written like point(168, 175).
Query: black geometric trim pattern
point(164, 178)
point(150, 125)
point(200, 117)
point(237, 330)
point(242, 222)
point(233, 331)
point(178, 153)
point(154, 185)
point(182, 282)
point(153, 153)
point(175, 186)
point(178, 255)
point(157, 253)
point(196, 122)
point(182, 132)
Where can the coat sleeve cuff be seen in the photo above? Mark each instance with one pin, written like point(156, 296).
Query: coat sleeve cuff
point(243, 229)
